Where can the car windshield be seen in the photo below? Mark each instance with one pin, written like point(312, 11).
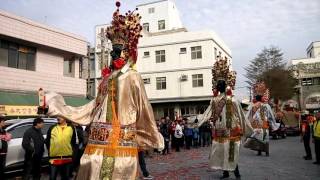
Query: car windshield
point(19, 130)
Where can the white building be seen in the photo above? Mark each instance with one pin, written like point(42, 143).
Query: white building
point(99, 58)
point(91, 85)
point(307, 71)
point(174, 63)
point(159, 16)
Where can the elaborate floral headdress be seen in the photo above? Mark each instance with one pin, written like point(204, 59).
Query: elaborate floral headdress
point(221, 71)
point(125, 30)
point(260, 88)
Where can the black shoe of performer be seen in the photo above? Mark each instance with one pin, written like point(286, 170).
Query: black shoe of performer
point(308, 158)
point(224, 177)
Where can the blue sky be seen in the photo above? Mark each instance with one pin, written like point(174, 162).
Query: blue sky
point(245, 25)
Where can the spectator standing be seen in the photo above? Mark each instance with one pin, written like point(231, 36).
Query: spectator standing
point(202, 135)
point(4, 138)
point(306, 137)
point(33, 145)
point(316, 138)
point(143, 165)
point(207, 134)
point(164, 130)
point(78, 148)
point(172, 129)
point(178, 134)
point(188, 135)
point(195, 135)
point(60, 142)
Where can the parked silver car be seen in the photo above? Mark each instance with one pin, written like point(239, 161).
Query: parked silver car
point(16, 128)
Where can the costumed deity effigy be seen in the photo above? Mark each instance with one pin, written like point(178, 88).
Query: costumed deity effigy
point(121, 118)
point(261, 118)
point(228, 120)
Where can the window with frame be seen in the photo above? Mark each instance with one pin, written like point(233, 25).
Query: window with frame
point(183, 50)
point(306, 82)
point(146, 54)
point(17, 56)
point(146, 81)
point(151, 10)
point(160, 56)
point(161, 83)
point(316, 81)
point(92, 65)
point(197, 80)
point(146, 26)
point(68, 67)
point(4, 53)
point(161, 25)
point(196, 52)
point(200, 109)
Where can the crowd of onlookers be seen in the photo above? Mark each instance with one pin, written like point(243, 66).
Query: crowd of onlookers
point(181, 132)
point(65, 143)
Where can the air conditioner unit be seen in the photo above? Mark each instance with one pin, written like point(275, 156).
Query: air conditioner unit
point(184, 78)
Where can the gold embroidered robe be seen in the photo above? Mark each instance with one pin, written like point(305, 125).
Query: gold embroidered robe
point(104, 159)
point(227, 133)
point(261, 117)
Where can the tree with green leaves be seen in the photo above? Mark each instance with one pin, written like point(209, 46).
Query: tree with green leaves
point(269, 67)
point(280, 82)
point(267, 59)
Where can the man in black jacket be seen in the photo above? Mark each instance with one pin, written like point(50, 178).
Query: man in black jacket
point(164, 130)
point(78, 148)
point(33, 144)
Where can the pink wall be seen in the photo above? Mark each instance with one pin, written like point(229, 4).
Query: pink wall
point(23, 80)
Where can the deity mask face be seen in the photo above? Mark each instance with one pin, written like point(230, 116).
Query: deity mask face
point(116, 51)
point(258, 98)
point(221, 86)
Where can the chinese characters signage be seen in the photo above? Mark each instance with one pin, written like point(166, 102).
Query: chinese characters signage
point(18, 110)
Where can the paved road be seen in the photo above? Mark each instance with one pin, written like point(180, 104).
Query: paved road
point(285, 163)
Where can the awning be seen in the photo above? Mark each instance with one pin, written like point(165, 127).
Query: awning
point(180, 99)
point(15, 101)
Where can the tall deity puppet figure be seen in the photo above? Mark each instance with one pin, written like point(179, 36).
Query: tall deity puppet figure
point(261, 118)
point(121, 118)
point(228, 120)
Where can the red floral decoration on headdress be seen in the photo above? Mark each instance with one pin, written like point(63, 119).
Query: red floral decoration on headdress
point(125, 30)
